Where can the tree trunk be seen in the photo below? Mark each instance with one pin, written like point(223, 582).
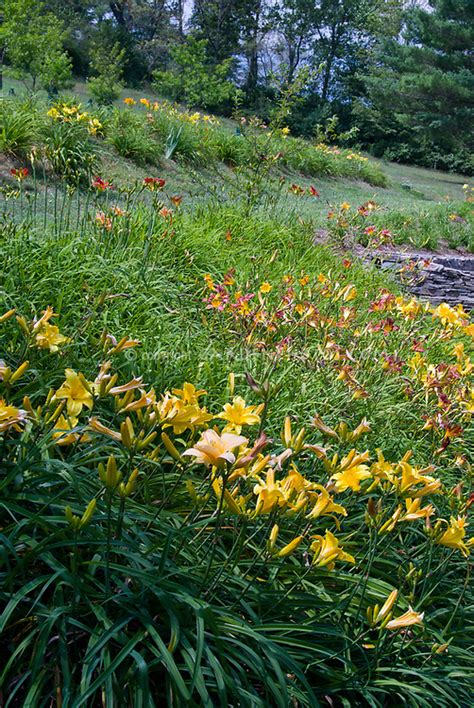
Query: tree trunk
point(252, 51)
point(121, 12)
point(180, 17)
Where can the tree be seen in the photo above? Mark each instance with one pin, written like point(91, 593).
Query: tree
point(428, 76)
point(107, 63)
point(293, 21)
point(218, 22)
point(193, 79)
point(345, 32)
point(33, 43)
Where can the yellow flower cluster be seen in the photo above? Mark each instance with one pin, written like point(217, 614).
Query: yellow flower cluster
point(332, 150)
point(172, 111)
point(72, 114)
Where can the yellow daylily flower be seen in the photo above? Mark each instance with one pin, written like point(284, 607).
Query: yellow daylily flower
point(408, 308)
point(10, 417)
point(238, 414)
point(49, 337)
point(76, 392)
point(410, 477)
point(62, 432)
point(450, 315)
point(352, 472)
point(455, 534)
point(214, 449)
point(409, 618)
point(181, 416)
point(327, 551)
point(325, 505)
point(381, 470)
point(189, 393)
point(270, 494)
point(414, 511)
point(44, 319)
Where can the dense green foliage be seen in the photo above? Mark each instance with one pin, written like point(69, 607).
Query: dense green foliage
point(72, 137)
point(429, 77)
point(194, 80)
point(33, 42)
point(398, 76)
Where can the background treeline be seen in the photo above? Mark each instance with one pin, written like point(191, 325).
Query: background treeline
point(393, 77)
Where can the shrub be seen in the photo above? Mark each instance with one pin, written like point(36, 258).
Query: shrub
point(193, 79)
point(107, 66)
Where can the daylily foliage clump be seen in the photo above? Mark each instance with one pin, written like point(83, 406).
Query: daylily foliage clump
point(207, 494)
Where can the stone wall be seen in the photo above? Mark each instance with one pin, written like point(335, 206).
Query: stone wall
point(436, 278)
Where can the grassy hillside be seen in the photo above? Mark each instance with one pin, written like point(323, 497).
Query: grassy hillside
point(236, 466)
point(202, 160)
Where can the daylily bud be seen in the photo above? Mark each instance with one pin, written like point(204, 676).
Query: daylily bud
point(386, 607)
point(56, 413)
point(110, 476)
point(73, 520)
point(29, 408)
point(87, 515)
point(371, 508)
point(126, 489)
point(273, 537)
point(440, 648)
point(19, 372)
point(299, 440)
point(229, 500)
point(323, 428)
point(106, 386)
point(286, 436)
point(191, 490)
point(146, 441)
point(23, 325)
point(171, 449)
point(342, 431)
point(392, 521)
point(79, 522)
point(6, 316)
point(127, 433)
point(252, 383)
point(290, 547)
